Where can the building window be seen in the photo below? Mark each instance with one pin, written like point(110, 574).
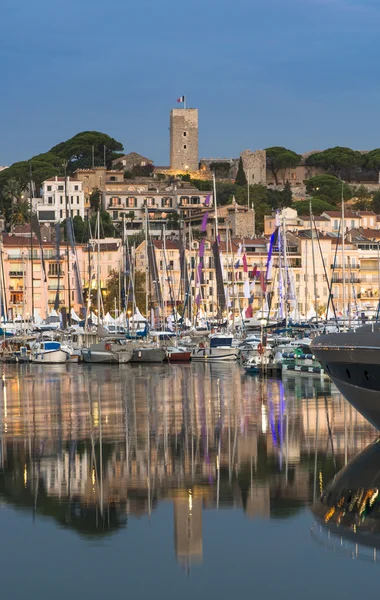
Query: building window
point(61, 213)
point(114, 215)
point(184, 146)
point(54, 270)
point(210, 291)
point(76, 188)
point(335, 224)
point(77, 199)
point(60, 187)
point(294, 175)
point(132, 202)
point(72, 199)
point(49, 188)
point(184, 134)
point(78, 212)
point(50, 200)
point(150, 201)
point(61, 199)
point(211, 307)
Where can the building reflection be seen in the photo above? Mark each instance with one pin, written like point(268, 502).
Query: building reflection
point(94, 446)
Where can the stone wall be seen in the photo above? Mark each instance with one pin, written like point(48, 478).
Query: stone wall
point(255, 166)
point(184, 139)
point(242, 223)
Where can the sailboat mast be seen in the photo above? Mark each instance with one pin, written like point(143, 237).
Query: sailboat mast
point(313, 259)
point(343, 265)
point(146, 266)
point(98, 267)
point(68, 246)
point(31, 238)
point(215, 205)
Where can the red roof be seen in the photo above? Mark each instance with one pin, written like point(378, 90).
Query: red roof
point(370, 233)
point(338, 213)
point(169, 245)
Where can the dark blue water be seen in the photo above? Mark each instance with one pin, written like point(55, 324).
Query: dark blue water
point(174, 481)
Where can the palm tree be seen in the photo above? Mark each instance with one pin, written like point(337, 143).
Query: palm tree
point(21, 213)
point(12, 190)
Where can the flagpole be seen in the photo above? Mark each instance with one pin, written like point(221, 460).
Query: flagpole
point(184, 102)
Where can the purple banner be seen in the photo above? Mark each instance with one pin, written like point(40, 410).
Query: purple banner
point(207, 200)
point(204, 222)
point(202, 249)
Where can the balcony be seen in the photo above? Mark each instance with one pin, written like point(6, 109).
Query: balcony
point(16, 273)
point(347, 280)
point(347, 267)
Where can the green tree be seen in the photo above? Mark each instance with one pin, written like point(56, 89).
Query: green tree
point(80, 149)
point(328, 188)
point(287, 196)
point(113, 292)
point(281, 158)
point(20, 213)
point(335, 160)
point(95, 198)
point(240, 175)
point(172, 221)
point(224, 192)
point(203, 185)
point(221, 169)
point(136, 239)
point(372, 160)
point(318, 206)
point(376, 202)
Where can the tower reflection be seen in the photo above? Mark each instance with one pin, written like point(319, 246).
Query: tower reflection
point(92, 446)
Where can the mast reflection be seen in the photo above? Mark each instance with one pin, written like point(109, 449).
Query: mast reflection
point(92, 446)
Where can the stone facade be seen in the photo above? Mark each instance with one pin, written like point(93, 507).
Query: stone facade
point(255, 166)
point(184, 139)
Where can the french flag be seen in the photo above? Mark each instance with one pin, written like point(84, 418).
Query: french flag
point(181, 99)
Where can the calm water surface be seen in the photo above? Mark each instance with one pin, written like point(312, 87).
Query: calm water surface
point(174, 482)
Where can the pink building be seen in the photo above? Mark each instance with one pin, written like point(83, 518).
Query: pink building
point(17, 264)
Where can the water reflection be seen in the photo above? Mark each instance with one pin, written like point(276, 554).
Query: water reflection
point(349, 508)
point(94, 446)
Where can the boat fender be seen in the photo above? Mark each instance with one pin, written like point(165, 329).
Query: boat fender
point(260, 348)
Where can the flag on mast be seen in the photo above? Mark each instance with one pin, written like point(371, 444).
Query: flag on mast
point(182, 99)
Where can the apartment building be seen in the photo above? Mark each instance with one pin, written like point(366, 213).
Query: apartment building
point(51, 275)
point(53, 207)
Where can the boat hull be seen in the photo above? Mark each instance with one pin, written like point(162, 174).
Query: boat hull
point(148, 355)
point(54, 357)
point(215, 354)
point(178, 356)
point(352, 361)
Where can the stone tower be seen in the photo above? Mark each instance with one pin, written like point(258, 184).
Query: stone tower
point(255, 167)
point(184, 139)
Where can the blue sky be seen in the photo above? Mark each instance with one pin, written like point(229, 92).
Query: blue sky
point(298, 73)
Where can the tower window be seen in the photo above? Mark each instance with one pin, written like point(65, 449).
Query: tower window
point(184, 146)
point(184, 134)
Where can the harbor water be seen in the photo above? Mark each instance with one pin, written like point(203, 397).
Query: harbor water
point(182, 481)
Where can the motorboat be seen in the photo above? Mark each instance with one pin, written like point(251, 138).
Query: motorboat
point(219, 349)
point(177, 354)
point(352, 361)
point(107, 351)
point(48, 352)
point(148, 354)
